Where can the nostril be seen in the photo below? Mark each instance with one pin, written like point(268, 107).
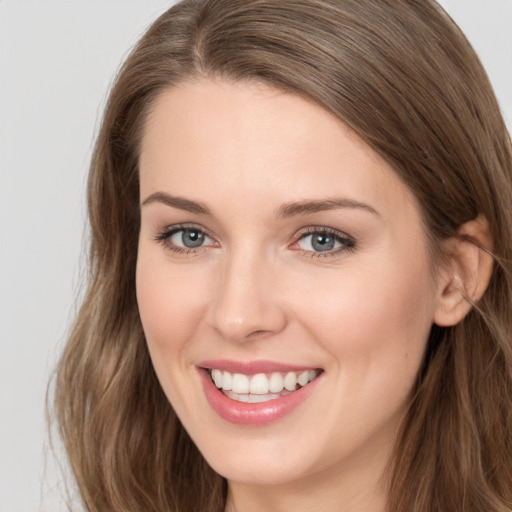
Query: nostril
point(236, 332)
point(245, 310)
point(258, 334)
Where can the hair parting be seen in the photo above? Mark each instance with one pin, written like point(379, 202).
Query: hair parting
point(400, 75)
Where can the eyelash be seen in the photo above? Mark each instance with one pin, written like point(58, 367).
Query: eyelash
point(164, 238)
point(346, 242)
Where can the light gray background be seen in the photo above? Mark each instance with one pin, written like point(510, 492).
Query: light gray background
point(57, 60)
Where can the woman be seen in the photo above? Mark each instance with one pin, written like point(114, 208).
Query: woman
point(300, 287)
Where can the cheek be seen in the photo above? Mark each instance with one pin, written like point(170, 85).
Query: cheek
point(375, 325)
point(169, 304)
point(386, 301)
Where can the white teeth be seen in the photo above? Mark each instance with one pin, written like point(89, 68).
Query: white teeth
point(240, 383)
point(227, 381)
point(217, 378)
point(260, 387)
point(276, 383)
point(290, 381)
point(259, 384)
point(302, 379)
point(252, 399)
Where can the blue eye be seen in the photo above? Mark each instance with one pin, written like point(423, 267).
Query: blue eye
point(324, 241)
point(189, 238)
point(184, 239)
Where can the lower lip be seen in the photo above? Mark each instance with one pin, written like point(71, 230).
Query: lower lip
point(263, 413)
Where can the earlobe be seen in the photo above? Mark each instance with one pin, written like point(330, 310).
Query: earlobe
point(466, 272)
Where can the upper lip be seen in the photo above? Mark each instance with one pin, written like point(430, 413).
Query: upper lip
point(252, 367)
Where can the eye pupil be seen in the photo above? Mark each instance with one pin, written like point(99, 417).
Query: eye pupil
point(192, 238)
point(322, 242)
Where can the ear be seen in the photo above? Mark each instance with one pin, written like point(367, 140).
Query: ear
point(465, 273)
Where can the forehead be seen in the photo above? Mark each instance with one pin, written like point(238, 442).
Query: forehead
point(246, 138)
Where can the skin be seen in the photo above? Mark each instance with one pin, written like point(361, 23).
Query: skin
point(257, 290)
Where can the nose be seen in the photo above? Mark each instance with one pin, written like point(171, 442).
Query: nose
point(247, 302)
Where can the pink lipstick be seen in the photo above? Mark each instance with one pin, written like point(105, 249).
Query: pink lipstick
point(257, 392)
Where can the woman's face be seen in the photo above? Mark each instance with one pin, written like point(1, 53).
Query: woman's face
point(274, 243)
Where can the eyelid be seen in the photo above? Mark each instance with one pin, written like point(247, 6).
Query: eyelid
point(163, 236)
point(348, 243)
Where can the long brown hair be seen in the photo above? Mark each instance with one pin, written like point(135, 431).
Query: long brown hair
point(403, 77)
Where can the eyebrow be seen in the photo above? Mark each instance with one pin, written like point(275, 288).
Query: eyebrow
point(308, 207)
point(177, 202)
point(305, 207)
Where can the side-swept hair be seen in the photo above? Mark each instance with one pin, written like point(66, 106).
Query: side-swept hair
point(404, 78)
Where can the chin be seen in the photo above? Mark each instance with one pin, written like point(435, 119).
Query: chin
point(256, 466)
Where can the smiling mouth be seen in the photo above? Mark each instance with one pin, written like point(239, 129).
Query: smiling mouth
point(261, 387)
